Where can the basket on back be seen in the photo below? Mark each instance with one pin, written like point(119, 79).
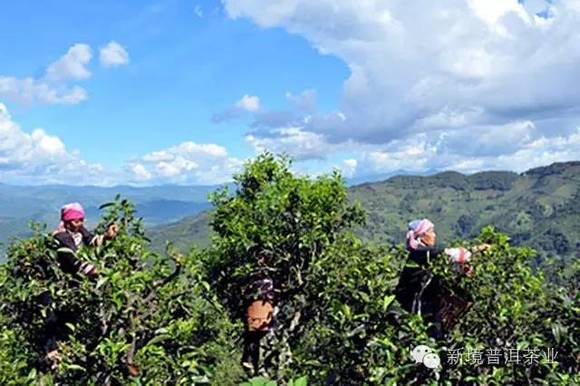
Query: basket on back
point(260, 312)
point(454, 305)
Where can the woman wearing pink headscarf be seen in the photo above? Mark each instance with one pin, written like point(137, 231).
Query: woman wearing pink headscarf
point(419, 291)
point(72, 234)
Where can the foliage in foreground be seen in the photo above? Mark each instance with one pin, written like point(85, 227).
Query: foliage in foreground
point(178, 317)
point(143, 311)
point(338, 321)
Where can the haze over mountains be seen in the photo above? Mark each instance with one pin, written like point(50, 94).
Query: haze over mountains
point(539, 208)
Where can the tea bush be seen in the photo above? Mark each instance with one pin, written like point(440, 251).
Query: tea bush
point(146, 313)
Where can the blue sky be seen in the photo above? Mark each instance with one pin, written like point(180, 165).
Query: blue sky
point(150, 92)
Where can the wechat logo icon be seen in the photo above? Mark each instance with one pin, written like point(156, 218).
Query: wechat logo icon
point(425, 355)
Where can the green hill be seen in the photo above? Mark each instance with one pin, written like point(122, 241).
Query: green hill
point(193, 230)
point(538, 208)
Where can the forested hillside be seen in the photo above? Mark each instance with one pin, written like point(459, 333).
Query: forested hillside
point(539, 208)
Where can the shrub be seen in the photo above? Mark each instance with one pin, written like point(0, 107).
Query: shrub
point(143, 311)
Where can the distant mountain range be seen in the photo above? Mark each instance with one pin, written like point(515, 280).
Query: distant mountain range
point(157, 205)
point(539, 208)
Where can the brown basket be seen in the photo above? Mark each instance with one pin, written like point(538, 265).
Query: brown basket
point(259, 315)
point(453, 306)
point(133, 369)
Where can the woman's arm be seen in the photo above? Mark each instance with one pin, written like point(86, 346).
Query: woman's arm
point(480, 248)
point(96, 240)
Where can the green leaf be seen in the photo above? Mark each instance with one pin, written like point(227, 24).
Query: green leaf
point(346, 311)
point(101, 282)
point(106, 205)
point(387, 300)
point(302, 381)
point(32, 374)
point(258, 381)
point(75, 367)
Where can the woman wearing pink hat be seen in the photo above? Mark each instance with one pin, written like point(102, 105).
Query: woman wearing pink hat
point(71, 234)
point(419, 291)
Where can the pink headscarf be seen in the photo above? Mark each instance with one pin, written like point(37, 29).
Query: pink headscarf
point(417, 229)
point(73, 211)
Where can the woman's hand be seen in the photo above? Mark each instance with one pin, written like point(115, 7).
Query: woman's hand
point(480, 248)
point(458, 255)
point(112, 231)
point(88, 269)
point(468, 270)
point(461, 258)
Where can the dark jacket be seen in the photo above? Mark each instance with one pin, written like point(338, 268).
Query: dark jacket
point(418, 289)
point(67, 259)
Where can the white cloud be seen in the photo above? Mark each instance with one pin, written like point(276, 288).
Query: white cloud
point(139, 172)
point(435, 152)
point(39, 157)
point(409, 155)
point(434, 84)
point(30, 90)
point(448, 118)
point(113, 54)
point(249, 103)
point(492, 11)
point(491, 140)
point(72, 65)
point(293, 141)
point(543, 151)
point(185, 163)
point(349, 167)
point(246, 104)
point(305, 101)
point(53, 87)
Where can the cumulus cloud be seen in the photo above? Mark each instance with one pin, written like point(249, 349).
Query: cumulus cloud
point(434, 81)
point(246, 104)
point(56, 86)
point(39, 157)
point(30, 90)
point(186, 163)
point(440, 151)
point(72, 65)
point(249, 103)
point(299, 144)
point(53, 87)
point(304, 102)
point(349, 167)
point(113, 54)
